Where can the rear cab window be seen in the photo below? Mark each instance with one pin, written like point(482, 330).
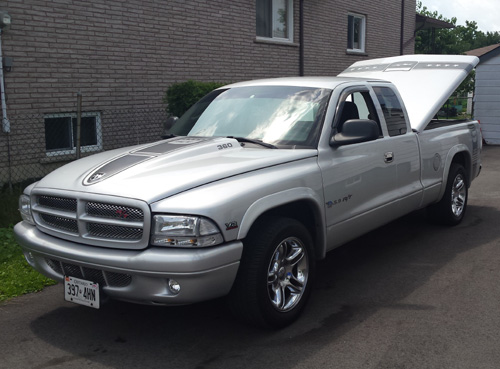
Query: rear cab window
point(392, 110)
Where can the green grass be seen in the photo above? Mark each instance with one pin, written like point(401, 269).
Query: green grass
point(16, 276)
point(9, 215)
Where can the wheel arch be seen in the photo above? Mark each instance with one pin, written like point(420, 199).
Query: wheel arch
point(459, 155)
point(301, 204)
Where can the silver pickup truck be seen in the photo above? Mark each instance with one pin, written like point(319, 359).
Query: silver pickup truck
point(256, 183)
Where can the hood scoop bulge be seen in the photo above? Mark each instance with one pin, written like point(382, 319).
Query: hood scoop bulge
point(115, 166)
point(138, 156)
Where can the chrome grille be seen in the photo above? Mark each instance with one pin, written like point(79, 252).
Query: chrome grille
point(94, 275)
point(118, 279)
point(55, 266)
point(92, 219)
point(72, 270)
point(114, 232)
point(114, 211)
point(102, 277)
point(64, 224)
point(59, 203)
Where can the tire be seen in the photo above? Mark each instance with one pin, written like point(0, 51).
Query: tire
point(275, 275)
point(450, 210)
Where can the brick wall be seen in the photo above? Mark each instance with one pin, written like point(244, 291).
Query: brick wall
point(326, 32)
point(122, 55)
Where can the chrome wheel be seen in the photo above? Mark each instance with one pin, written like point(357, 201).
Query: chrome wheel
point(458, 195)
point(450, 210)
point(276, 273)
point(287, 274)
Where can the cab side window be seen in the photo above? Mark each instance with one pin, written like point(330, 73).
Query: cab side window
point(393, 112)
point(357, 105)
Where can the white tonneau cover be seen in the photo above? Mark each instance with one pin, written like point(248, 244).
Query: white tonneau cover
point(424, 81)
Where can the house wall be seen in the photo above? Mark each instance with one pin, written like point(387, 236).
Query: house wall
point(123, 55)
point(487, 99)
point(326, 32)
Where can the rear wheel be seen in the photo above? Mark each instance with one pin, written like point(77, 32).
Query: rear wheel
point(275, 276)
point(450, 210)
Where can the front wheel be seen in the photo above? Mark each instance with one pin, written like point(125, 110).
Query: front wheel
point(275, 275)
point(450, 210)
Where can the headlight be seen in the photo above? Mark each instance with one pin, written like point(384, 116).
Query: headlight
point(184, 231)
point(25, 209)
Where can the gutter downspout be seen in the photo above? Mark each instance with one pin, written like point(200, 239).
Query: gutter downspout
point(5, 120)
point(301, 38)
point(401, 43)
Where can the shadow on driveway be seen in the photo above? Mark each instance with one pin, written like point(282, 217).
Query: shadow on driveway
point(356, 281)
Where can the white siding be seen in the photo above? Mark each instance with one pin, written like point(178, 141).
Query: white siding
point(487, 99)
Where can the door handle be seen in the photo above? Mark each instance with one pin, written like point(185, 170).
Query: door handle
point(389, 157)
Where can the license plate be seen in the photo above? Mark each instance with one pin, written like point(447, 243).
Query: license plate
point(81, 292)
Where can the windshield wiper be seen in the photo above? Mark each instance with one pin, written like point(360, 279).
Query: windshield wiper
point(254, 141)
point(168, 135)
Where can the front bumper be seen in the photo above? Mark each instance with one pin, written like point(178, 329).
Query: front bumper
point(135, 275)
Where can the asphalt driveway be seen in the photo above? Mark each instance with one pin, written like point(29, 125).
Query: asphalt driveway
point(409, 295)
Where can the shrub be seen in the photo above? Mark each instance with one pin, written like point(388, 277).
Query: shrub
point(180, 96)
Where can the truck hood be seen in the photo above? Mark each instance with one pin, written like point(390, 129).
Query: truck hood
point(162, 169)
point(424, 81)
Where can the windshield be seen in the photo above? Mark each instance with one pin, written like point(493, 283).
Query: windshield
point(278, 115)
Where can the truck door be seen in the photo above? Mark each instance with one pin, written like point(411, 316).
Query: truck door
point(404, 148)
point(359, 180)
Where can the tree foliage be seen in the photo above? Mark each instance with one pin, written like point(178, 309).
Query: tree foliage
point(455, 40)
point(179, 97)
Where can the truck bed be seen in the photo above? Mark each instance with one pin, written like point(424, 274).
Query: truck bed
point(438, 123)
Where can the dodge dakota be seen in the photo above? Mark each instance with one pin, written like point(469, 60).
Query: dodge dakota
point(256, 183)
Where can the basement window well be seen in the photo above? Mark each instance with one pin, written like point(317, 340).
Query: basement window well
point(61, 133)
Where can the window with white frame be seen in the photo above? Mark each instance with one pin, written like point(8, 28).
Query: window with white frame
point(356, 33)
point(61, 133)
point(274, 19)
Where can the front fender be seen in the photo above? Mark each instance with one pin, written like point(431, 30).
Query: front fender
point(275, 200)
point(235, 203)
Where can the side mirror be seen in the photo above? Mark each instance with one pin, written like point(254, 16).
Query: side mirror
point(169, 123)
point(356, 131)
